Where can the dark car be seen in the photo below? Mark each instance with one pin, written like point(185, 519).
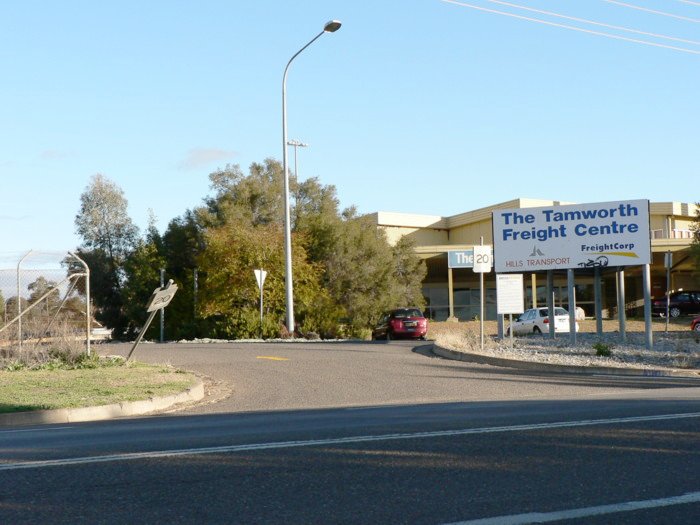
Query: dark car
point(406, 323)
point(680, 303)
point(695, 324)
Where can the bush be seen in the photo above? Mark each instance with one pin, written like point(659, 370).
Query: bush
point(602, 349)
point(245, 324)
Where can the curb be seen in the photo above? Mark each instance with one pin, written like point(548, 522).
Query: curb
point(565, 369)
point(98, 413)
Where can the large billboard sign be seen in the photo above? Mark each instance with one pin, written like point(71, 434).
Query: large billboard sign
point(572, 236)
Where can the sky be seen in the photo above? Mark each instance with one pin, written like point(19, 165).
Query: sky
point(416, 106)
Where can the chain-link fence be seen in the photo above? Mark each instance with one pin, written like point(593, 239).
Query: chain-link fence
point(44, 302)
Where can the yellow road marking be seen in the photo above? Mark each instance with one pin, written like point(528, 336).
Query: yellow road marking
point(272, 358)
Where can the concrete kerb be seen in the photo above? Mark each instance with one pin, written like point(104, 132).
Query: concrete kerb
point(565, 369)
point(115, 410)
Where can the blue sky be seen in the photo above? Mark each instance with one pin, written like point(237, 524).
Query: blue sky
point(420, 106)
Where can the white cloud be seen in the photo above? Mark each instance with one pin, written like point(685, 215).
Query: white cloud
point(53, 154)
point(200, 157)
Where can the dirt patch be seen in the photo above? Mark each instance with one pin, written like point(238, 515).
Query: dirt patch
point(679, 348)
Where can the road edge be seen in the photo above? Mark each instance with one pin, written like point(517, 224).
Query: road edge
point(102, 412)
point(566, 369)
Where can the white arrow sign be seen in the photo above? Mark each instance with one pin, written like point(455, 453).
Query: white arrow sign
point(260, 277)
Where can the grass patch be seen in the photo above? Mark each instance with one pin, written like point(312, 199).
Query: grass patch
point(49, 388)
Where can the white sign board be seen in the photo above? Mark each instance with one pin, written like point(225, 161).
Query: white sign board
point(572, 236)
point(510, 297)
point(161, 297)
point(483, 259)
point(260, 277)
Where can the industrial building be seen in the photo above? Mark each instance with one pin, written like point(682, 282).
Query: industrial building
point(456, 290)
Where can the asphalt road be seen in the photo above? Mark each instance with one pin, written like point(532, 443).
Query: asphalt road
point(369, 433)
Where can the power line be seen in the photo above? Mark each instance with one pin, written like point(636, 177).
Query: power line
point(654, 11)
point(593, 22)
point(573, 28)
point(689, 2)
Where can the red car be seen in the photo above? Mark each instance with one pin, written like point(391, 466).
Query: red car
point(406, 323)
point(695, 324)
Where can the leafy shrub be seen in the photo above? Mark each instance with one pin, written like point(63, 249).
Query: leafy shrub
point(245, 324)
point(602, 349)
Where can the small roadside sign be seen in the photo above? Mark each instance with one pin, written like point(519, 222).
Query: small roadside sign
point(260, 277)
point(483, 259)
point(161, 297)
point(509, 293)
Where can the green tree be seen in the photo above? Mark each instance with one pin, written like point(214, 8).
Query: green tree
point(182, 244)
point(37, 290)
point(408, 275)
point(142, 271)
point(231, 296)
point(343, 266)
point(103, 221)
point(108, 236)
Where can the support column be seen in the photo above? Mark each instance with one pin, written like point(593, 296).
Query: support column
point(450, 296)
point(533, 284)
point(621, 305)
point(572, 306)
point(598, 293)
point(646, 282)
point(550, 302)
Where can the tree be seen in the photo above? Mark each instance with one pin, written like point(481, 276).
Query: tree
point(40, 287)
point(343, 266)
point(108, 236)
point(103, 221)
point(142, 271)
point(409, 272)
point(256, 199)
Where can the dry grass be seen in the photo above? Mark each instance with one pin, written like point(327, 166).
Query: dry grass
point(49, 389)
point(678, 326)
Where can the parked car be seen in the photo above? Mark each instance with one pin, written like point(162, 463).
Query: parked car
point(536, 321)
point(680, 303)
point(695, 324)
point(401, 323)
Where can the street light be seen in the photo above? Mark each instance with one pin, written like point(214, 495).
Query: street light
point(296, 144)
point(330, 27)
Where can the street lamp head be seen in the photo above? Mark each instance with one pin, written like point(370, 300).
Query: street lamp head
point(332, 26)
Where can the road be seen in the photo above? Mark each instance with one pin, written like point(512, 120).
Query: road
point(369, 433)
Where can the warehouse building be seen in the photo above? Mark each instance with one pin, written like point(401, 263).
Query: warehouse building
point(456, 290)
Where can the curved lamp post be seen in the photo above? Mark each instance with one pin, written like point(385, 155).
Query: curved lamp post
point(330, 27)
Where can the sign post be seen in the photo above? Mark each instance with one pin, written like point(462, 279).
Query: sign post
point(668, 262)
point(160, 298)
point(260, 278)
point(483, 260)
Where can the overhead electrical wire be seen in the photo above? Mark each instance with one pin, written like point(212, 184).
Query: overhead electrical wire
point(573, 28)
point(593, 22)
point(654, 11)
point(689, 2)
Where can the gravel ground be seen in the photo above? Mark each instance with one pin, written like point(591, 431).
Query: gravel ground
point(677, 349)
